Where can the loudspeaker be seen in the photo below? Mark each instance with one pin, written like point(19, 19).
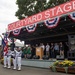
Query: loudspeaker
point(45, 57)
point(71, 55)
point(71, 39)
point(60, 57)
point(71, 36)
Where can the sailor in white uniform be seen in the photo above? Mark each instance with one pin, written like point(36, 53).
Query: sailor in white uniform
point(18, 55)
point(9, 58)
point(14, 58)
point(5, 59)
point(17, 58)
point(5, 56)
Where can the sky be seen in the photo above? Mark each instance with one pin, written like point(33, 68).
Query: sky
point(7, 13)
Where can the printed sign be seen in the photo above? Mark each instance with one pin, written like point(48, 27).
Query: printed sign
point(62, 9)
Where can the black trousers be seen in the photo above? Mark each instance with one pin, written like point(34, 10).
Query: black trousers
point(56, 52)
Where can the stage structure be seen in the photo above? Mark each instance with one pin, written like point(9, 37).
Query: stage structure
point(51, 25)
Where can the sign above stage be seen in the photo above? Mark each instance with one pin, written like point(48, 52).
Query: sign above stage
point(62, 9)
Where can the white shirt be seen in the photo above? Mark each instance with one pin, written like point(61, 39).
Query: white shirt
point(56, 47)
point(43, 47)
point(9, 53)
point(18, 53)
point(47, 47)
point(13, 53)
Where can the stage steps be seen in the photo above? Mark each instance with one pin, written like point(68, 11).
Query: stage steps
point(38, 63)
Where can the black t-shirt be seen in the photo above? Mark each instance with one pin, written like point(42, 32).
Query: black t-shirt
point(12, 46)
point(52, 48)
point(61, 48)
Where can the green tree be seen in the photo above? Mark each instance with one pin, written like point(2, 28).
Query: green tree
point(30, 7)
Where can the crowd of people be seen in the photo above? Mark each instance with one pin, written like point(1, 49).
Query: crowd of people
point(51, 50)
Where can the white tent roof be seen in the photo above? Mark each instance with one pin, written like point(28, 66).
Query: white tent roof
point(19, 44)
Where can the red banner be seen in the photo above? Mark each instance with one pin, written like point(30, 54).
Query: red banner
point(50, 13)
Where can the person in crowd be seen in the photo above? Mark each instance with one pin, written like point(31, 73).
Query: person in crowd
point(52, 50)
point(13, 55)
point(29, 51)
point(25, 51)
point(47, 49)
point(66, 49)
point(36, 45)
point(43, 47)
point(61, 49)
point(9, 58)
point(18, 55)
point(56, 49)
point(33, 51)
point(17, 58)
point(5, 55)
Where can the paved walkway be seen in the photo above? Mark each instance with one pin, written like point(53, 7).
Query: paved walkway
point(28, 71)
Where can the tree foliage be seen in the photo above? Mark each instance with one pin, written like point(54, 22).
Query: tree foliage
point(30, 7)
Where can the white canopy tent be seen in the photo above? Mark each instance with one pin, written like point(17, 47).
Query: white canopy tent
point(17, 43)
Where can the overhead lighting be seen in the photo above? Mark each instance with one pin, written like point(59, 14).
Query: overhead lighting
point(72, 26)
point(41, 25)
point(65, 19)
point(60, 28)
point(24, 29)
point(51, 30)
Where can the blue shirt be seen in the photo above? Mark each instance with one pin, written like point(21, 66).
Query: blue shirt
point(56, 47)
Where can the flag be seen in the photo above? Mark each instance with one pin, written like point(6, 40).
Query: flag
point(31, 28)
point(72, 16)
point(5, 43)
point(52, 23)
point(16, 32)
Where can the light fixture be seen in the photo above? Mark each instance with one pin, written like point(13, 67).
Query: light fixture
point(60, 28)
point(65, 19)
point(72, 26)
point(41, 25)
